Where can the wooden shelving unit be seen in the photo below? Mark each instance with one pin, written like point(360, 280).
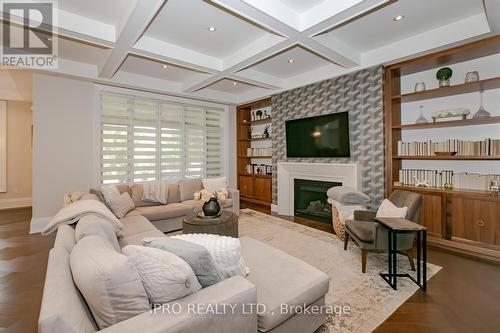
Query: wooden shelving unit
point(461, 220)
point(256, 188)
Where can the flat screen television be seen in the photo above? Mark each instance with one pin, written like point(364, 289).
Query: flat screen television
point(322, 136)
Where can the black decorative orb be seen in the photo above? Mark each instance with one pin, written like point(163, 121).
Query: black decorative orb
point(211, 208)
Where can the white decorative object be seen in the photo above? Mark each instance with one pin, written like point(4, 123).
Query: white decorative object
point(419, 86)
point(214, 184)
point(481, 112)
point(451, 113)
point(471, 76)
point(421, 119)
point(421, 183)
point(3, 146)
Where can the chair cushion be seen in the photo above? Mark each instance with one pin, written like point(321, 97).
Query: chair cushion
point(188, 187)
point(164, 212)
point(361, 229)
point(280, 279)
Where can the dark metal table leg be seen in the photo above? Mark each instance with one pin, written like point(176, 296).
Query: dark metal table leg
point(418, 257)
point(424, 245)
point(389, 238)
point(394, 262)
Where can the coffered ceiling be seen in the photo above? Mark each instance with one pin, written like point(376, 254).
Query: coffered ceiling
point(233, 51)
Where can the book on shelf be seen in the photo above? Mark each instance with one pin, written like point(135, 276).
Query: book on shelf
point(256, 152)
point(486, 147)
point(459, 180)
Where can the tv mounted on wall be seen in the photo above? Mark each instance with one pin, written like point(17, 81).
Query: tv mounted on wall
point(322, 136)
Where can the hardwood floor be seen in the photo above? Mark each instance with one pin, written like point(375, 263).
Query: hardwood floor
point(463, 297)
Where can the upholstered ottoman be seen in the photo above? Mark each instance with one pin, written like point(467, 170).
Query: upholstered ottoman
point(284, 282)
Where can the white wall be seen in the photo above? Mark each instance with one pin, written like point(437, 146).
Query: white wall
point(64, 143)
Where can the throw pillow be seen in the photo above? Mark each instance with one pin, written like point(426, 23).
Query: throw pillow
point(98, 193)
point(195, 255)
point(214, 184)
point(388, 209)
point(165, 276)
point(225, 251)
point(188, 187)
point(121, 205)
point(107, 280)
point(94, 225)
point(110, 192)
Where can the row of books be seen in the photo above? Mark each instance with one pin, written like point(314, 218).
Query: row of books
point(256, 152)
point(486, 147)
point(459, 180)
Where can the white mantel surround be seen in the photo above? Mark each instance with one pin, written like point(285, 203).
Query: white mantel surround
point(345, 173)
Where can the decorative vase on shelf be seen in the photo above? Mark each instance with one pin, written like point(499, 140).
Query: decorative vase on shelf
point(211, 207)
point(443, 75)
point(419, 86)
point(421, 119)
point(481, 112)
point(471, 76)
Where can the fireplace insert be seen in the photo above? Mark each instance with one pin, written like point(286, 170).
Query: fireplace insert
point(310, 199)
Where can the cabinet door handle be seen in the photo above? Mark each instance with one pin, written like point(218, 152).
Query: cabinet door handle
point(481, 223)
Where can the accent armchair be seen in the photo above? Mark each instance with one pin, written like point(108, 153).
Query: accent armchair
point(370, 235)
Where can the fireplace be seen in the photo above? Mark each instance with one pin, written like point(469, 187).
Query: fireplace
point(310, 199)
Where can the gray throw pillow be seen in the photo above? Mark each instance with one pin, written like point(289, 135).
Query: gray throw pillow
point(197, 256)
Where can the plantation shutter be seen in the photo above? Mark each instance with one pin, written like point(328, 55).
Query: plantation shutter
point(194, 136)
point(172, 141)
point(143, 140)
point(115, 134)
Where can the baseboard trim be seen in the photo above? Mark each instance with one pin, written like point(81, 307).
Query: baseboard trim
point(15, 203)
point(38, 224)
point(274, 208)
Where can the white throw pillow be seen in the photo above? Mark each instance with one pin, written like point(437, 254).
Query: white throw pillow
point(165, 276)
point(110, 192)
point(121, 205)
point(107, 280)
point(214, 184)
point(388, 209)
point(97, 226)
point(226, 252)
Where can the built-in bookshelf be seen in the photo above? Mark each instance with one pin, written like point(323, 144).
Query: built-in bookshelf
point(254, 151)
point(460, 209)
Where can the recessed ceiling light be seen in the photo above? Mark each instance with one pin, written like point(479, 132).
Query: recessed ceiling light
point(235, 83)
point(398, 18)
point(49, 39)
point(291, 61)
point(164, 66)
point(211, 29)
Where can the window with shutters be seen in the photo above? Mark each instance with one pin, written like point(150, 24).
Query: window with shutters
point(144, 140)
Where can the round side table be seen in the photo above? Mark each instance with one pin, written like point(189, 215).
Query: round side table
point(225, 225)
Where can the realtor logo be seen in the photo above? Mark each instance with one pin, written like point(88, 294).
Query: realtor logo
point(28, 34)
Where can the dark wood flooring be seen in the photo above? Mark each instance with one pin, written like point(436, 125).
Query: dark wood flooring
point(463, 297)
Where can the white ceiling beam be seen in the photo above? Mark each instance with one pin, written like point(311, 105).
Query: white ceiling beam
point(137, 22)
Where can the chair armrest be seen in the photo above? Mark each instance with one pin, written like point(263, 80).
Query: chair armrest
point(235, 195)
point(365, 215)
point(231, 302)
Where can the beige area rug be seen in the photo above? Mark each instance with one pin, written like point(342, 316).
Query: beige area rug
point(370, 299)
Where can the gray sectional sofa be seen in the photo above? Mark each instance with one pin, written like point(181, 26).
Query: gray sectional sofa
point(180, 202)
point(269, 299)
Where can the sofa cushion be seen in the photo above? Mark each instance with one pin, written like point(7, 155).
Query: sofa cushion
point(363, 230)
point(109, 283)
point(137, 239)
point(188, 187)
point(214, 184)
point(63, 308)
point(94, 225)
point(65, 237)
point(135, 224)
point(136, 191)
point(197, 256)
point(164, 212)
point(280, 279)
point(165, 276)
